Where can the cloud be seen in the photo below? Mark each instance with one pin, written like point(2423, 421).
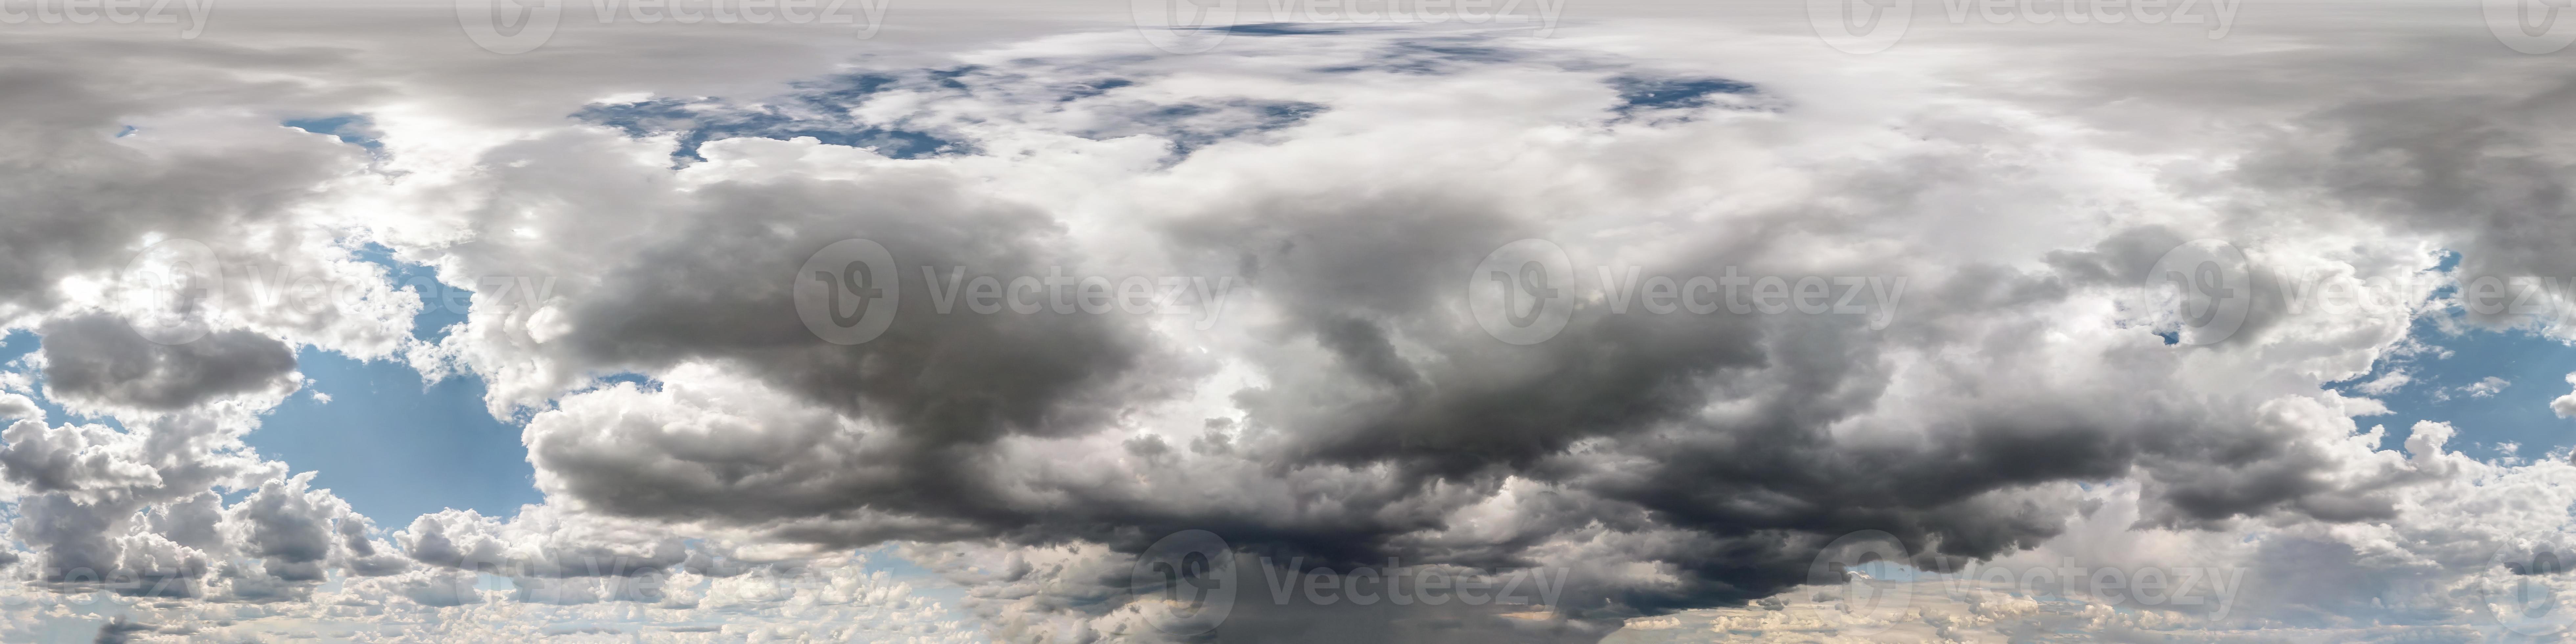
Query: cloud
point(98, 362)
point(710, 463)
point(2565, 406)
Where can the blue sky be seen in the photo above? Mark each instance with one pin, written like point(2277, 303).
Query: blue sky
point(2442, 377)
point(392, 445)
point(394, 448)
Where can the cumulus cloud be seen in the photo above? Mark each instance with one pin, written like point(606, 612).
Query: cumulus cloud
point(99, 362)
point(2006, 394)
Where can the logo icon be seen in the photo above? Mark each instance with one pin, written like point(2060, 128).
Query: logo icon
point(1185, 583)
point(1184, 26)
point(170, 289)
point(1860, 26)
point(509, 26)
point(2531, 26)
point(2204, 286)
point(1523, 293)
point(1850, 595)
point(847, 292)
point(2528, 599)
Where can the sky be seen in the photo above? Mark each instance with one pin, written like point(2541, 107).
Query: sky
point(1089, 322)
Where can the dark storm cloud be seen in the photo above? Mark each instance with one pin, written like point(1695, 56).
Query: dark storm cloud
point(98, 360)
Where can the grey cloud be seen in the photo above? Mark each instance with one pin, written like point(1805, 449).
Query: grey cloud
point(98, 361)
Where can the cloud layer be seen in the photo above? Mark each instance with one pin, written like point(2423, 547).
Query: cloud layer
point(1304, 373)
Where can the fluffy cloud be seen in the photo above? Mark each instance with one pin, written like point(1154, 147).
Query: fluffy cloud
point(1329, 402)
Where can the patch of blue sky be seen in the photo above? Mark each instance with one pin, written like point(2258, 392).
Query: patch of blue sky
point(353, 129)
point(391, 444)
point(1282, 29)
point(442, 306)
point(1094, 88)
point(1638, 93)
point(819, 108)
point(1192, 126)
point(1429, 56)
point(2493, 386)
point(394, 446)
